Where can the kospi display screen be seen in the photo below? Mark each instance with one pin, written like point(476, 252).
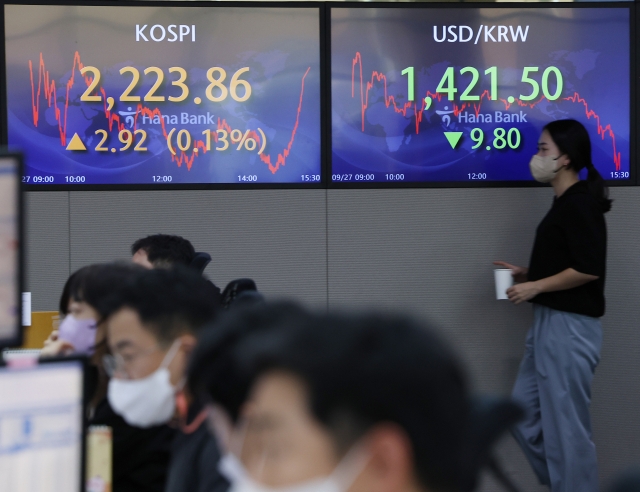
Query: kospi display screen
point(131, 95)
point(452, 95)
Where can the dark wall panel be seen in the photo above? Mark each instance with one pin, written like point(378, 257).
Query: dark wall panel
point(276, 237)
point(47, 247)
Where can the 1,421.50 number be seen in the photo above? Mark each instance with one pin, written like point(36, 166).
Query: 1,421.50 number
point(447, 84)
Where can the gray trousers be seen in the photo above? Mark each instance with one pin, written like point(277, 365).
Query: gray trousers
point(554, 386)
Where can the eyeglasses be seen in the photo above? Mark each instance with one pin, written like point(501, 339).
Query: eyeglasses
point(118, 365)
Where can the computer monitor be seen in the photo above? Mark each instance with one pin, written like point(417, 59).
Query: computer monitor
point(10, 249)
point(41, 428)
point(232, 100)
point(436, 95)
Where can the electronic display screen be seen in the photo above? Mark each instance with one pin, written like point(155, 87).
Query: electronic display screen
point(455, 95)
point(130, 95)
point(10, 220)
point(41, 428)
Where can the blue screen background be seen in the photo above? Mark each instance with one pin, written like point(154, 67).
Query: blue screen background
point(590, 47)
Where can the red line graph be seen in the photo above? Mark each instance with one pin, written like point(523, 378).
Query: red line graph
point(46, 88)
point(418, 111)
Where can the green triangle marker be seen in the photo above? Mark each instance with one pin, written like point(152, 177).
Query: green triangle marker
point(453, 138)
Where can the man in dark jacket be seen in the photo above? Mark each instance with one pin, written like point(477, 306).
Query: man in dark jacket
point(166, 250)
point(152, 328)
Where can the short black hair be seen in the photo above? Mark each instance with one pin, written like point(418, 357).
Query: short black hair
point(169, 302)
point(165, 249)
point(97, 285)
point(360, 368)
point(215, 372)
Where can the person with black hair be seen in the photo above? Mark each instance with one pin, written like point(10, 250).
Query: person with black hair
point(162, 250)
point(165, 250)
point(565, 282)
point(78, 330)
point(152, 326)
point(216, 377)
point(337, 402)
point(82, 308)
point(140, 456)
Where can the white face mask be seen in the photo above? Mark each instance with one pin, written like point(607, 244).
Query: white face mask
point(232, 468)
point(324, 484)
point(544, 169)
point(149, 401)
point(340, 479)
point(230, 440)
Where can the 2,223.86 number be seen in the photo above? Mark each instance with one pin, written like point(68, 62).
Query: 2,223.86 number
point(215, 75)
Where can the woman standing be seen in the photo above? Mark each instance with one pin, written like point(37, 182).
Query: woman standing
point(565, 282)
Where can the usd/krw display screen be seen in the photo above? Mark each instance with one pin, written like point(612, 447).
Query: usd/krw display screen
point(164, 95)
point(462, 94)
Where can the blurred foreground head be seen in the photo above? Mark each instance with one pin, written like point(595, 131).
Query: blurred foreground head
point(337, 402)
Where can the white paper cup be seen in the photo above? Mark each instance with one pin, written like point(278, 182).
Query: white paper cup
point(504, 280)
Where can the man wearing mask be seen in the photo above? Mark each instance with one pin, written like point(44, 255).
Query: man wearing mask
point(342, 402)
point(152, 329)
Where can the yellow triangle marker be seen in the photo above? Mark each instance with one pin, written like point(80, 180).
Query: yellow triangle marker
point(76, 143)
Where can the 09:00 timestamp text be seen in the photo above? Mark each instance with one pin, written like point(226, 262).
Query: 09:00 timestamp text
point(51, 179)
point(37, 179)
point(365, 177)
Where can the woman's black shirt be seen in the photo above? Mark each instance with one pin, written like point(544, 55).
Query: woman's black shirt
point(573, 234)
